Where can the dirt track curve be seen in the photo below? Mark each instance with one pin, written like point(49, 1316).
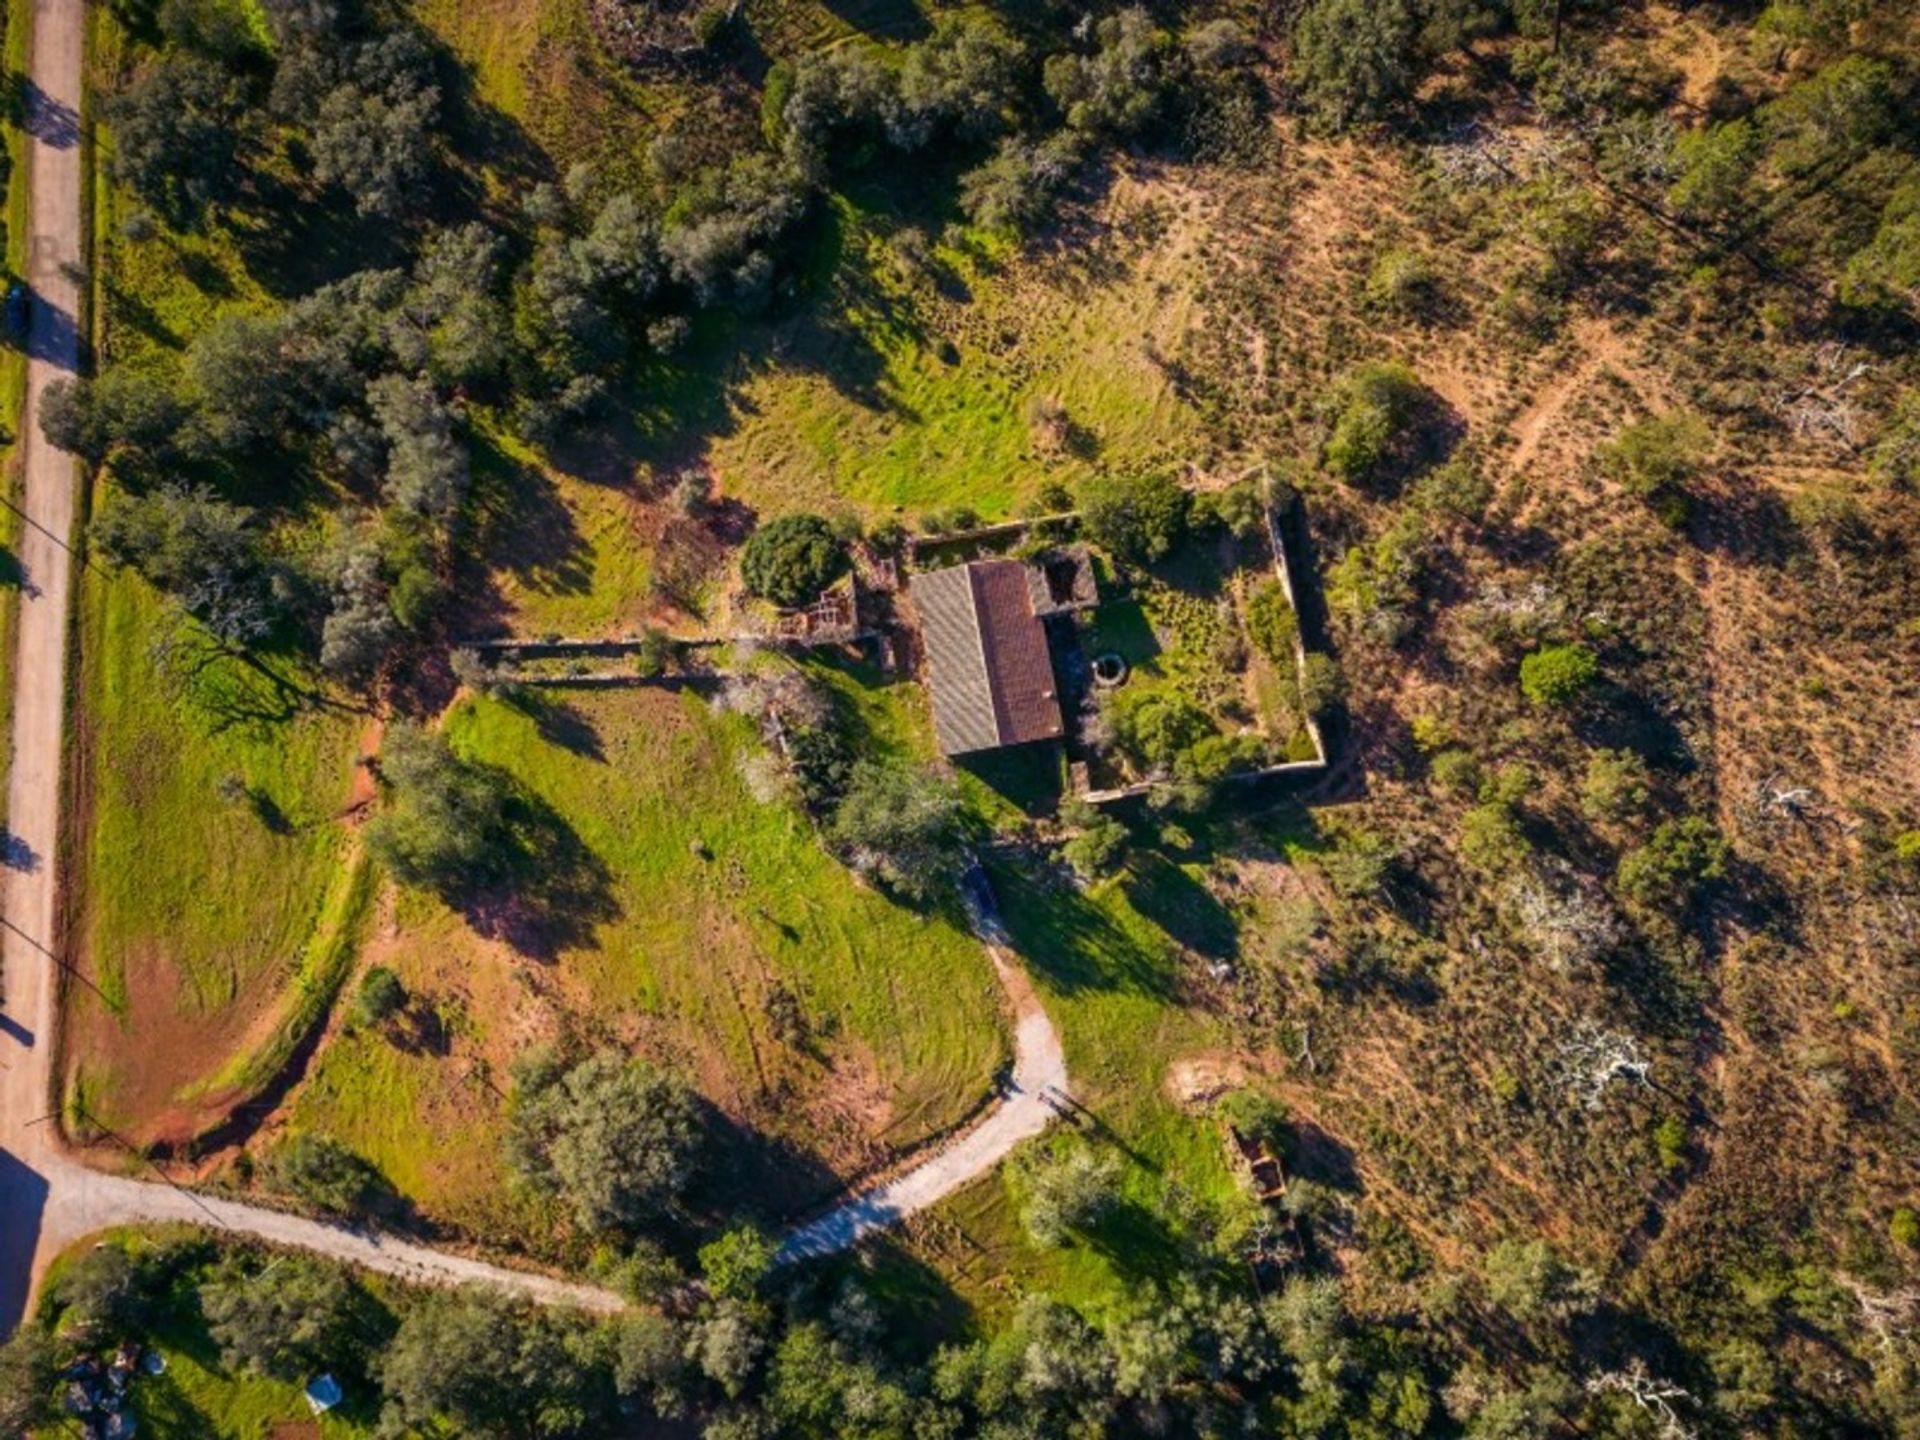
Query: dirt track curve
point(48, 1199)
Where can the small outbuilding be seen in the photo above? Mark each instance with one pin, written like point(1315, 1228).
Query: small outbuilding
point(323, 1393)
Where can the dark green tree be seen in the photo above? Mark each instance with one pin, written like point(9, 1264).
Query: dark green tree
point(791, 559)
point(1354, 59)
point(200, 550)
point(176, 128)
point(1140, 518)
point(27, 1365)
point(473, 1362)
point(289, 1318)
point(1678, 859)
point(900, 823)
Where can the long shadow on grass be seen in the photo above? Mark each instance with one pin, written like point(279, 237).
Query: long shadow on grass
point(755, 1174)
point(1073, 941)
point(1140, 1244)
point(556, 893)
point(522, 525)
point(1183, 907)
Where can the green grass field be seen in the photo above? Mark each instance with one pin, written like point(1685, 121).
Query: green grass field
point(194, 907)
point(709, 899)
point(890, 394)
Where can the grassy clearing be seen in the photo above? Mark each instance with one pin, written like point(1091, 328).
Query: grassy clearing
point(712, 903)
point(195, 908)
point(323, 965)
point(894, 393)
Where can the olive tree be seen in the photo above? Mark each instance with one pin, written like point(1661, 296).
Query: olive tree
point(444, 823)
point(287, 1319)
point(618, 1139)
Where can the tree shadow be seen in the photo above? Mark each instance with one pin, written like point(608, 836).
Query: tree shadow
point(1139, 1244)
point(557, 893)
point(1181, 906)
point(563, 724)
point(1074, 942)
point(922, 1308)
point(1314, 1154)
point(755, 1174)
point(883, 19)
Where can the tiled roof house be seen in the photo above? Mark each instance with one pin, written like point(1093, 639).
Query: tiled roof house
point(988, 666)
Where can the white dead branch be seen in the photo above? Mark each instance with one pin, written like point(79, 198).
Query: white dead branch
point(1823, 408)
point(1651, 1394)
point(1563, 916)
point(1592, 1059)
point(1889, 1318)
point(1479, 156)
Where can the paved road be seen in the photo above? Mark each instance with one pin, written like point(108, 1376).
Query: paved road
point(48, 1199)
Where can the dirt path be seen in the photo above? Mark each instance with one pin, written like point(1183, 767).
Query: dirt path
point(48, 1199)
point(1027, 1106)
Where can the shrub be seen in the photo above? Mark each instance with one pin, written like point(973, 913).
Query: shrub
point(323, 1172)
point(1156, 726)
point(1375, 587)
point(1618, 785)
point(1904, 1227)
point(1677, 859)
point(1655, 457)
point(1558, 675)
point(381, 995)
point(1376, 422)
point(736, 1262)
point(1322, 686)
point(1098, 847)
point(1402, 281)
point(1531, 1283)
point(1896, 456)
point(1670, 1142)
point(1139, 518)
point(790, 560)
point(1271, 623)
point(1491, 839)
point(1455, 770)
